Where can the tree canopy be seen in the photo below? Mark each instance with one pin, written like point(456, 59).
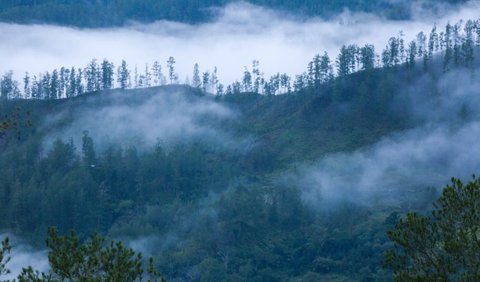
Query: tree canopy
point(443, 246)
point(96, 259)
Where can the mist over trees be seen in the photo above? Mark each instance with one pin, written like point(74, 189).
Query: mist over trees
point(273, 178)
point(455, 45)
point(95, 259)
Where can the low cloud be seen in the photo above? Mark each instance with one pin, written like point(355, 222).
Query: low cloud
point(142, 120)
point(401, 164)
point(443, 144)
point(22, 256)
point(240, 34)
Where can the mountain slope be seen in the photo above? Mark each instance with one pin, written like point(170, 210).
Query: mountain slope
point(119, 12)
point(217, 188)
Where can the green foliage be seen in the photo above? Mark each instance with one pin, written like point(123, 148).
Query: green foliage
point(5, 249)
point(93, 260)
point(443, 246)
point(217, 213)
point(254, 228)
point(118, 12)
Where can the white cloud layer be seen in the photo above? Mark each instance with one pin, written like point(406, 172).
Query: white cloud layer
point(241, 33)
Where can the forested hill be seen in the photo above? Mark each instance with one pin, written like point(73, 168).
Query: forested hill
point(216, 188)
point(93, 13)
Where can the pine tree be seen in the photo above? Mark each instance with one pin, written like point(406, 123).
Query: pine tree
point(196, 77)
point(136, 81)
point(171, 69)
point(447, 42)
point(123, 75)
point(147, 77)
point(34, 88)
point(256, 76)
point(8, 86)
point(411, 54)
point(54, 85)
point(247, 80)
point(91, 76)
point(26, 86)
point(62, 81)
point(220, 89)
point(107, 74)
point(206, 81)
point(432, 42)
point(314, 72)
point(367, 57)
point(468, 44)
point(46, 86)
point(214, 79)
point(157, 74)
point(88, 150)
point(346, 60)
point(80, 89)
point(72, 85)
point(457, 54)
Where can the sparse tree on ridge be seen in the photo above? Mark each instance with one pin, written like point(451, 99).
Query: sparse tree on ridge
point(346, 60)
point(171, 69)
point(367, 57)
point(26, 86)
point(247, 80)
point(136, 78)
point(8, 86)
point(91, 76)
point(54, 85)
point(220, 90)
point(157, 73)
point(206, 81)
point(80, 89)
point(301, 82)
point(411, 54)
point(196, 81)
point(147, 77)
point(433, 42)
point(71, 86)
point(256, 76)
point(326, 68)
point(62, 82)
point(107, 74)
point(123, 75)
point(214, 79)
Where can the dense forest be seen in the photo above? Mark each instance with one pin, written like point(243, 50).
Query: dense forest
point(103, 13)
point(216, 197)
point(126, 173)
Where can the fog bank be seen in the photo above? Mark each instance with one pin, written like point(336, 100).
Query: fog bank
point(142, 120)
point(240, 34)
point(443, 144)
point(22, 256)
